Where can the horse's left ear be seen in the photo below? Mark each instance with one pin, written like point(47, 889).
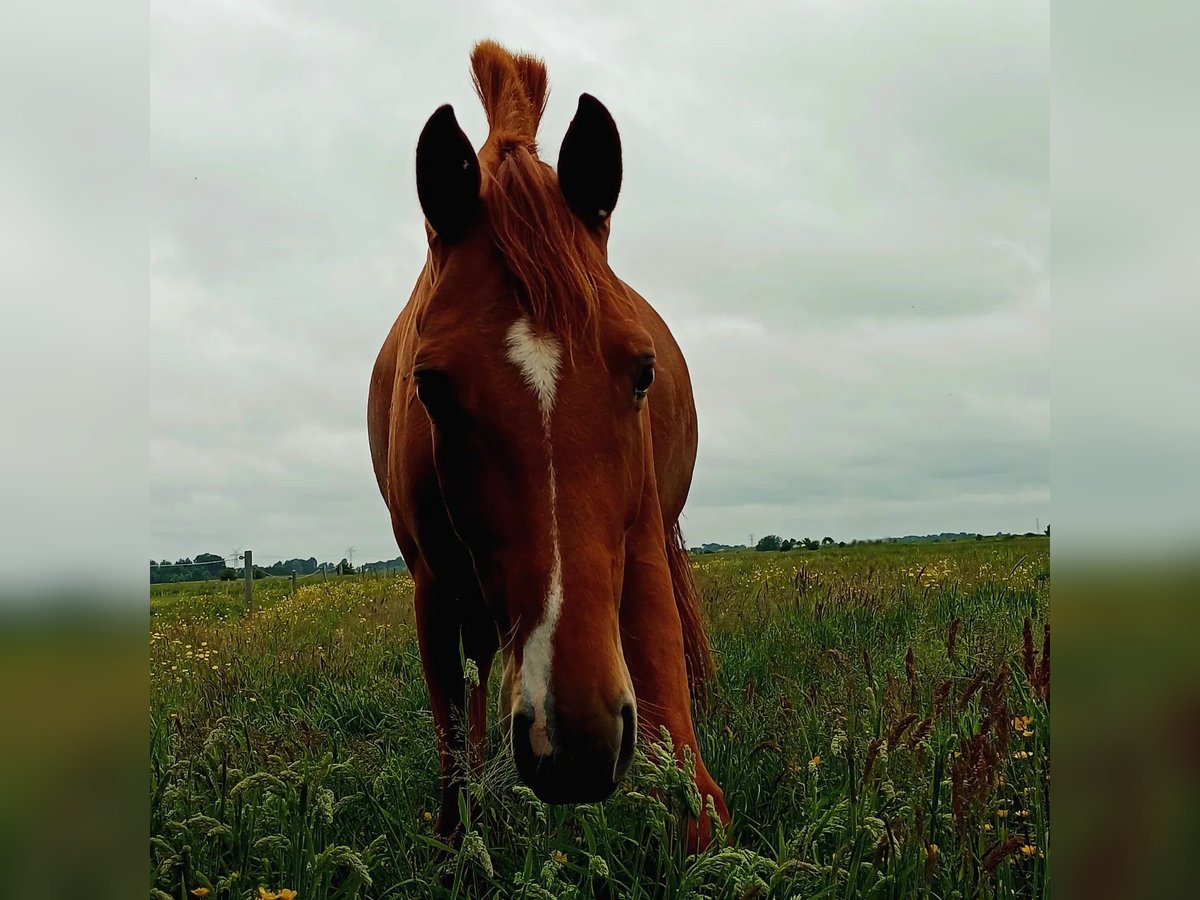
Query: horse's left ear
point(589, 162)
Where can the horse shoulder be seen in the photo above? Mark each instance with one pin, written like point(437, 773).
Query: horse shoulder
point(379, 406)
point(672, 409)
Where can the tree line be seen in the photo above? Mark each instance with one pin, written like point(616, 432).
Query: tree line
point(775, 542)
point(211, 567)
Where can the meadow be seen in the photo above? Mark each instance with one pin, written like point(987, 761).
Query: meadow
point(879, 723)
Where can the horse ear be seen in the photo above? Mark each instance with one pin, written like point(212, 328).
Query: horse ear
point(589, 162)
point(447, 175)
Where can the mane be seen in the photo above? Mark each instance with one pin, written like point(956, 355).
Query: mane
point(513, 89)
point(559, 272)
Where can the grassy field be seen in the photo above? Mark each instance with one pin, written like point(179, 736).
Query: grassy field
point(879, 724)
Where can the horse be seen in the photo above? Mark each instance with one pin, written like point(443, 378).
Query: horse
point(533, 434)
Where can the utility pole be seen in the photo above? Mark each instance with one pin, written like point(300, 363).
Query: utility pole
point(248, 556)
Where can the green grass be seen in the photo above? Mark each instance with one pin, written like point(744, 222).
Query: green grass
point(214, 599)
point(294, 749)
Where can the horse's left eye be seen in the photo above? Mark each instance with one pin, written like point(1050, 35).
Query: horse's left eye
point(644, 379)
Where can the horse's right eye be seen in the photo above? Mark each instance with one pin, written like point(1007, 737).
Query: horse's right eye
point(433, 390)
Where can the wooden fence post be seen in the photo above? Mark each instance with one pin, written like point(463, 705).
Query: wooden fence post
point(293, 582)
point(249, 573)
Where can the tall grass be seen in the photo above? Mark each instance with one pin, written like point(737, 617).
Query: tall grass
point(879, 724)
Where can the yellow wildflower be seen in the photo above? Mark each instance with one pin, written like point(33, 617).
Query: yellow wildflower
point(287, 894)
point(815, 761)
point(200, 892)
point(560, 857)
point(427, 815)
point(1029, 850)
point(1002, 813)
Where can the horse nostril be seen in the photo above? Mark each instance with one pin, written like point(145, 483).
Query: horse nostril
point(628, 735)
point(520, 724)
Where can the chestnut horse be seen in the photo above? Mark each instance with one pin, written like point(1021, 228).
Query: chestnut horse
point(533, 434)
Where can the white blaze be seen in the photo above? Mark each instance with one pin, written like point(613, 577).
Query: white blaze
point(539, 358)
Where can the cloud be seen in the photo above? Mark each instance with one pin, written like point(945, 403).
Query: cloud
point(841, 209)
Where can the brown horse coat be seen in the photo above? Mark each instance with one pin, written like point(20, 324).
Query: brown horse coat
point(533, 434)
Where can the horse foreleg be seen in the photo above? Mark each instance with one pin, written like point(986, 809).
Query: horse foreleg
point(439, 630)
point(652, 640)
point(480, 642)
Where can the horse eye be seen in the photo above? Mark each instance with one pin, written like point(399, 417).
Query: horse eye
point(644, 379)
point(433, 389)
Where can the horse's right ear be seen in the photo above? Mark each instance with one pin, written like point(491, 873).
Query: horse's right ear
point(447, 176)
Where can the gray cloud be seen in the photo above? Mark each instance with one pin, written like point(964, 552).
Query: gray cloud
point(841, 209)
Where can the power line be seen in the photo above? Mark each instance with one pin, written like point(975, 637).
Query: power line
point(207, 562)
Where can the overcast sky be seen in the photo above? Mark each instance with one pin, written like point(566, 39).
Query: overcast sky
point(840, 208)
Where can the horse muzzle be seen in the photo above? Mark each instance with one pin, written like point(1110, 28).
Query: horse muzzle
point(572, 765)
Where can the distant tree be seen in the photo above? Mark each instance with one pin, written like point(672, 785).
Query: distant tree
point(826, 541)
point(810, 544)
point(769, 542)
point(1047, 530)
point(208, 566)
